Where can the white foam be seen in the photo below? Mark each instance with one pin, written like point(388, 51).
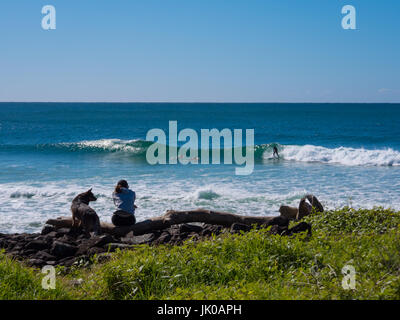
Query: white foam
point(26, 206)
point(342, 155)
point(111, 145)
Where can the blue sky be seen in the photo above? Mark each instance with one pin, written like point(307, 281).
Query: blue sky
point(200, 50)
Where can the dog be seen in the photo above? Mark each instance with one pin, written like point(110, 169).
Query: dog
point(83, 215)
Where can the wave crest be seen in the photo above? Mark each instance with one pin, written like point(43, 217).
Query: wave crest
point(263, 152)
point(342, 155)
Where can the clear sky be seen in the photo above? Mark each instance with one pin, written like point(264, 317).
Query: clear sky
point(200, 50)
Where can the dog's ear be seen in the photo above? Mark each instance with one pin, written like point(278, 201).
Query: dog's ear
point(90, 190)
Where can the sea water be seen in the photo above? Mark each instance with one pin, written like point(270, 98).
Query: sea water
point(345, 154)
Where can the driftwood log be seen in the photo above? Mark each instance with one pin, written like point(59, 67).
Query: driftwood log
point(172, 217)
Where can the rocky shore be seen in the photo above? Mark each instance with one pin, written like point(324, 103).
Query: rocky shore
point(69, 246)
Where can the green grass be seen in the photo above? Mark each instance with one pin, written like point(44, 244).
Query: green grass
point(254, 265)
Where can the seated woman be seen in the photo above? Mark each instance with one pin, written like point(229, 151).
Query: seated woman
point(124, 200)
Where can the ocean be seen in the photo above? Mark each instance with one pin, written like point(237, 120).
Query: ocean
point(345, 154)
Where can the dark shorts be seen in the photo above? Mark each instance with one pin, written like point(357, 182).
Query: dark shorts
point(121, 218)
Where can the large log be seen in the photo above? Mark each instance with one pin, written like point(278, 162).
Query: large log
point(172, 217)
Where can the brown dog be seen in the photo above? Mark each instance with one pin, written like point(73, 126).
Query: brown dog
point(83, 215)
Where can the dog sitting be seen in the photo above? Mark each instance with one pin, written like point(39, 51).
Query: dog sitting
point(83, 215)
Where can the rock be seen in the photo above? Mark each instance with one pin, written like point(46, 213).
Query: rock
point(47, 229)
point(63, 250)
point(183, 235)
point(67, 262)
point(11, 244)
point(62, 232)
point(187, 227)
point(307, 204)
point(194, 236)
point(301, 227)
point(210, 229)
point(43, 255)
point(37, 245)
point(36, 262)
point(277, 230)
point(18, 247)
point(95, 250)
point(165, 237)
point(97, 241)
point(68, 239)
point(237, 227)
point(51, 235)
point(145, 238)
point(101, 241)
point(27, 253)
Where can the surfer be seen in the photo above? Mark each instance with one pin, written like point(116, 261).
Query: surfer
point(275, 151)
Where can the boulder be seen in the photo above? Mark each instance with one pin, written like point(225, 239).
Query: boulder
point(165, 237)
point(301, 227)
point(28, 253)
point(145, 238)
point(67, 262)
point(51, 235)
point(101, 241)
point(62, 232)
point(62, 249)
point(36, 262)
point(95, 250)
point(96, 241)
point(43, 255)
point(188, 227)
point(210, 229)
point(237, 227)
point(277, 230)
point(37, 245)
point(47, 229)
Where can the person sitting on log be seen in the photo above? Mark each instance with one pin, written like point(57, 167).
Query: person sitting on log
point(124, 200)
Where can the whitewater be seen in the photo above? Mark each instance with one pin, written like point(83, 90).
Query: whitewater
point(307, 153)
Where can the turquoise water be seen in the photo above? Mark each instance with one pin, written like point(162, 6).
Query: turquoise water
point(346, 154)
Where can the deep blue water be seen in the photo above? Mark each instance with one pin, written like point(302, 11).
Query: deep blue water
point(346, 154)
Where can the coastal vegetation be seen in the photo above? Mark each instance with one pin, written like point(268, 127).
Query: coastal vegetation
point(245, 265)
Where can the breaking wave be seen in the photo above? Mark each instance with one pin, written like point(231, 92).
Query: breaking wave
point(342, 155)
point(307, 153)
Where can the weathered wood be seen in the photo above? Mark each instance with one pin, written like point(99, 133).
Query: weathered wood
point(172, 217)
point(289, 212)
